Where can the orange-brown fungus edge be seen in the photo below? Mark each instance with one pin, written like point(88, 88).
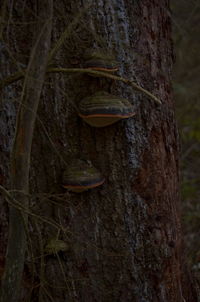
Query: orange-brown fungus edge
point(107, 115)
point(81, 187)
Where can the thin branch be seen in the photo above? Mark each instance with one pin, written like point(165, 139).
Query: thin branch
point(12, 78)
point(106, 75)
point(19, 75)
point(16, 204)
point(20, 157)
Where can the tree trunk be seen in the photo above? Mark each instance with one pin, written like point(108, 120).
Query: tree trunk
point(124, 237)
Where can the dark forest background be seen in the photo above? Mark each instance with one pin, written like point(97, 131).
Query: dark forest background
point(186, 36)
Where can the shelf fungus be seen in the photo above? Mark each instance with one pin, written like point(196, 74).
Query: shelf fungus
point(81, 176)
point(100, 61)
point(104, 109)
point(55, 246)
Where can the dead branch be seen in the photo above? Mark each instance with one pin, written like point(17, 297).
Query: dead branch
point(19, 75)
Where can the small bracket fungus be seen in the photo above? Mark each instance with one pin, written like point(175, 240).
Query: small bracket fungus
point(81, 176)
point(101, 61)
point(56, 245)
point(104, 109)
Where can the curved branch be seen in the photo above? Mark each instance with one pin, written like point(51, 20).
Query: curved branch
point(17, 76)
point(21, 150)
point(12, 78)
point(106, 75)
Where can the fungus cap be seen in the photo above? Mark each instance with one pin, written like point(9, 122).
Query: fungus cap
point(101, 65)
point(104, 109)
point(54, 246)
point(81, 176)
point(100, 61)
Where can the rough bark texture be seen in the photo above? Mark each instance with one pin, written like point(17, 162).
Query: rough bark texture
point(123, 237)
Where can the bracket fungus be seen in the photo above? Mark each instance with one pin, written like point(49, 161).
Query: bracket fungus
point(101, 61)
point(103, 109)
point(56, 245)
point(81, 176)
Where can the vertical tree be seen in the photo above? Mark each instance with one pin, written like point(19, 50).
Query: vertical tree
point(122, 240)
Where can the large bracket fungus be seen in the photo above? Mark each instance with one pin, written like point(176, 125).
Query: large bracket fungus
point(103, 109)
point(81, 176)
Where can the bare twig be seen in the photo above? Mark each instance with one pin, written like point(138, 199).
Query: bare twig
point(106, 75)
point(66, 232)
point(12, 78)
point(17, 205)
point(19, 75)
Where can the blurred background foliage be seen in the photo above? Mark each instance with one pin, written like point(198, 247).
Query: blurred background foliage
point(186, 82)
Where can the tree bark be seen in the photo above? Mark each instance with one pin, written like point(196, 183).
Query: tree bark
point(124, 237)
